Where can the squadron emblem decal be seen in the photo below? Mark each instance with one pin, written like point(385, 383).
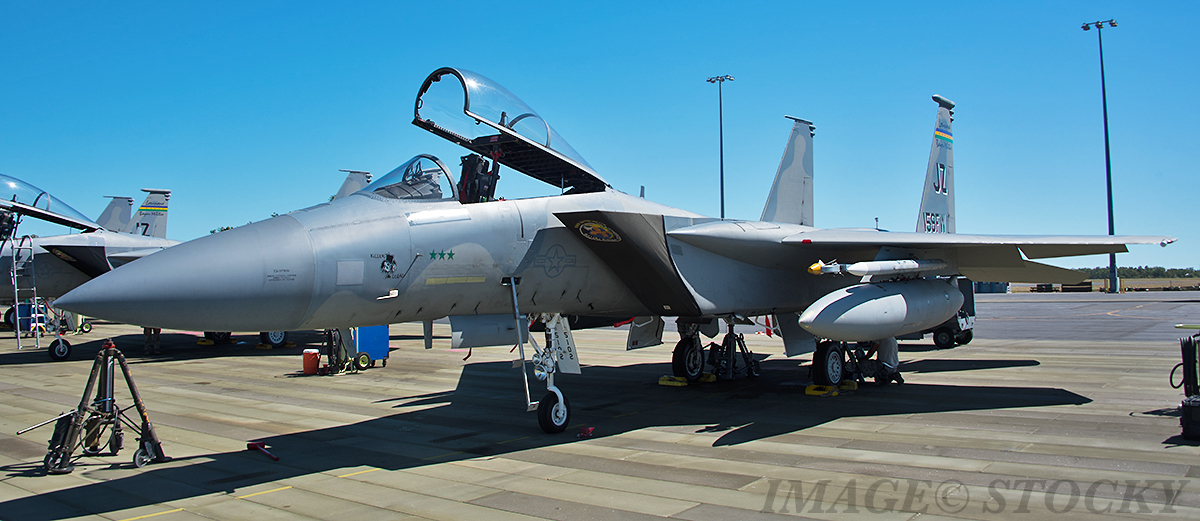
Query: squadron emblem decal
point(597, 231)
point(388, 266)
point(62, 255)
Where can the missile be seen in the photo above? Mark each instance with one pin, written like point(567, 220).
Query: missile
point(885, 267)
point(880, 310)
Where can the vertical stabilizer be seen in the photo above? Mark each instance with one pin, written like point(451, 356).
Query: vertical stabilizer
point(116, 215)
point(151, 217)
point(355, 180)
point(790, 200)
point(937, 199)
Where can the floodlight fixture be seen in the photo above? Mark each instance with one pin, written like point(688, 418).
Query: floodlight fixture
point(720, 81)
point(1113, 281)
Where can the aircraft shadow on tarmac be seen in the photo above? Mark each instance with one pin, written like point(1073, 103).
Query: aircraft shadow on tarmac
point(919, 348)
point(483, 416)
point(180, 346)
point(939, 365)
point(174, 347)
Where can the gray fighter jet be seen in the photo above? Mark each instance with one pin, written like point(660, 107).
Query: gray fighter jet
point(416, 246)
point(44, 268)
point(62, 262)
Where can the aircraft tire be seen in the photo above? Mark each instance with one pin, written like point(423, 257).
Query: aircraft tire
point(687, 361)
point(10, 317)
point(829, 365)
point(943, 338)
point(965, 337)
point(553, 417)
point(59, 350)
point(273, 338)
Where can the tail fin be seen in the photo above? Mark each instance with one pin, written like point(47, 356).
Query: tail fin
point(790, 200)
point(355, 180)
point(116, 215)
point(937, 200)
point(151, 218)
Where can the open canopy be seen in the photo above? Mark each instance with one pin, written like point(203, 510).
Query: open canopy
point(487, 119)
point(23, 198)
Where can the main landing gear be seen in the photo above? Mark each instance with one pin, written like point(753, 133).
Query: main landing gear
point(836, 362)
point(829, 364)
point(688, 360)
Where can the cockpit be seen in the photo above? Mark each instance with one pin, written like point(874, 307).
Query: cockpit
point(423, 177)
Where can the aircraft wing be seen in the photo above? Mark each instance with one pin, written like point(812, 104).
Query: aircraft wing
point(998, 258)
point(1033, 246)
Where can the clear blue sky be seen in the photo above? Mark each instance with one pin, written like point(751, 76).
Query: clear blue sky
point(248, 108)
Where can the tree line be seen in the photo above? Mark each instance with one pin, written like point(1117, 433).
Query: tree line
point(1141, 272)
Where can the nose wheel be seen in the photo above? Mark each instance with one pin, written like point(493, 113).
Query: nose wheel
point(553, 414)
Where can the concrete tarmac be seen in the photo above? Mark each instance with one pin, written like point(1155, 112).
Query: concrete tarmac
point(1020, 422)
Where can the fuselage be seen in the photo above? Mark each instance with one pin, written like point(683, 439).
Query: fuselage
point(367, 260)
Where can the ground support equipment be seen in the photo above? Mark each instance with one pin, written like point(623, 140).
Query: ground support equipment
point(93, 420)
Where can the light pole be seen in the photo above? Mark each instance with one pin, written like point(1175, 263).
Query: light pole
point(720, 80)
point(1112, 257)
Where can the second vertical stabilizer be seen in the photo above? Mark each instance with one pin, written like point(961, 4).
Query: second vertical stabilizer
point(151, 217)
point(937, 199)
point(790, 200)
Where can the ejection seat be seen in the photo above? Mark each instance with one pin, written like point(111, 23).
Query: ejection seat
point(478, 183)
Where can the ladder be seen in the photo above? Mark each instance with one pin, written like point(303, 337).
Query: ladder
point(24, 284)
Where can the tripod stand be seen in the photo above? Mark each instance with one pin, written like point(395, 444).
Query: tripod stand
point(86, 426)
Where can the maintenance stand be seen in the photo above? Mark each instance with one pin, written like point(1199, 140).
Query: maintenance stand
point(84, 427)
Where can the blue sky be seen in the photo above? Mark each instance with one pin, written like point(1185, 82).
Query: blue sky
point(248, 108)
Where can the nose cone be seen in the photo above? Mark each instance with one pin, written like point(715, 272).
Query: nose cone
point(255, 278)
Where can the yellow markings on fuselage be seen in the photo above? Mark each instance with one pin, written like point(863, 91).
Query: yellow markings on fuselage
point(433, 281)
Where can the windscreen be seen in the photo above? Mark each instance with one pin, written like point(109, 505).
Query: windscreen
point(423, 177)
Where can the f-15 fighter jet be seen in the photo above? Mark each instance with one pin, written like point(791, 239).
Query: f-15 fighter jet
point(415, 245)
point(62, 262)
